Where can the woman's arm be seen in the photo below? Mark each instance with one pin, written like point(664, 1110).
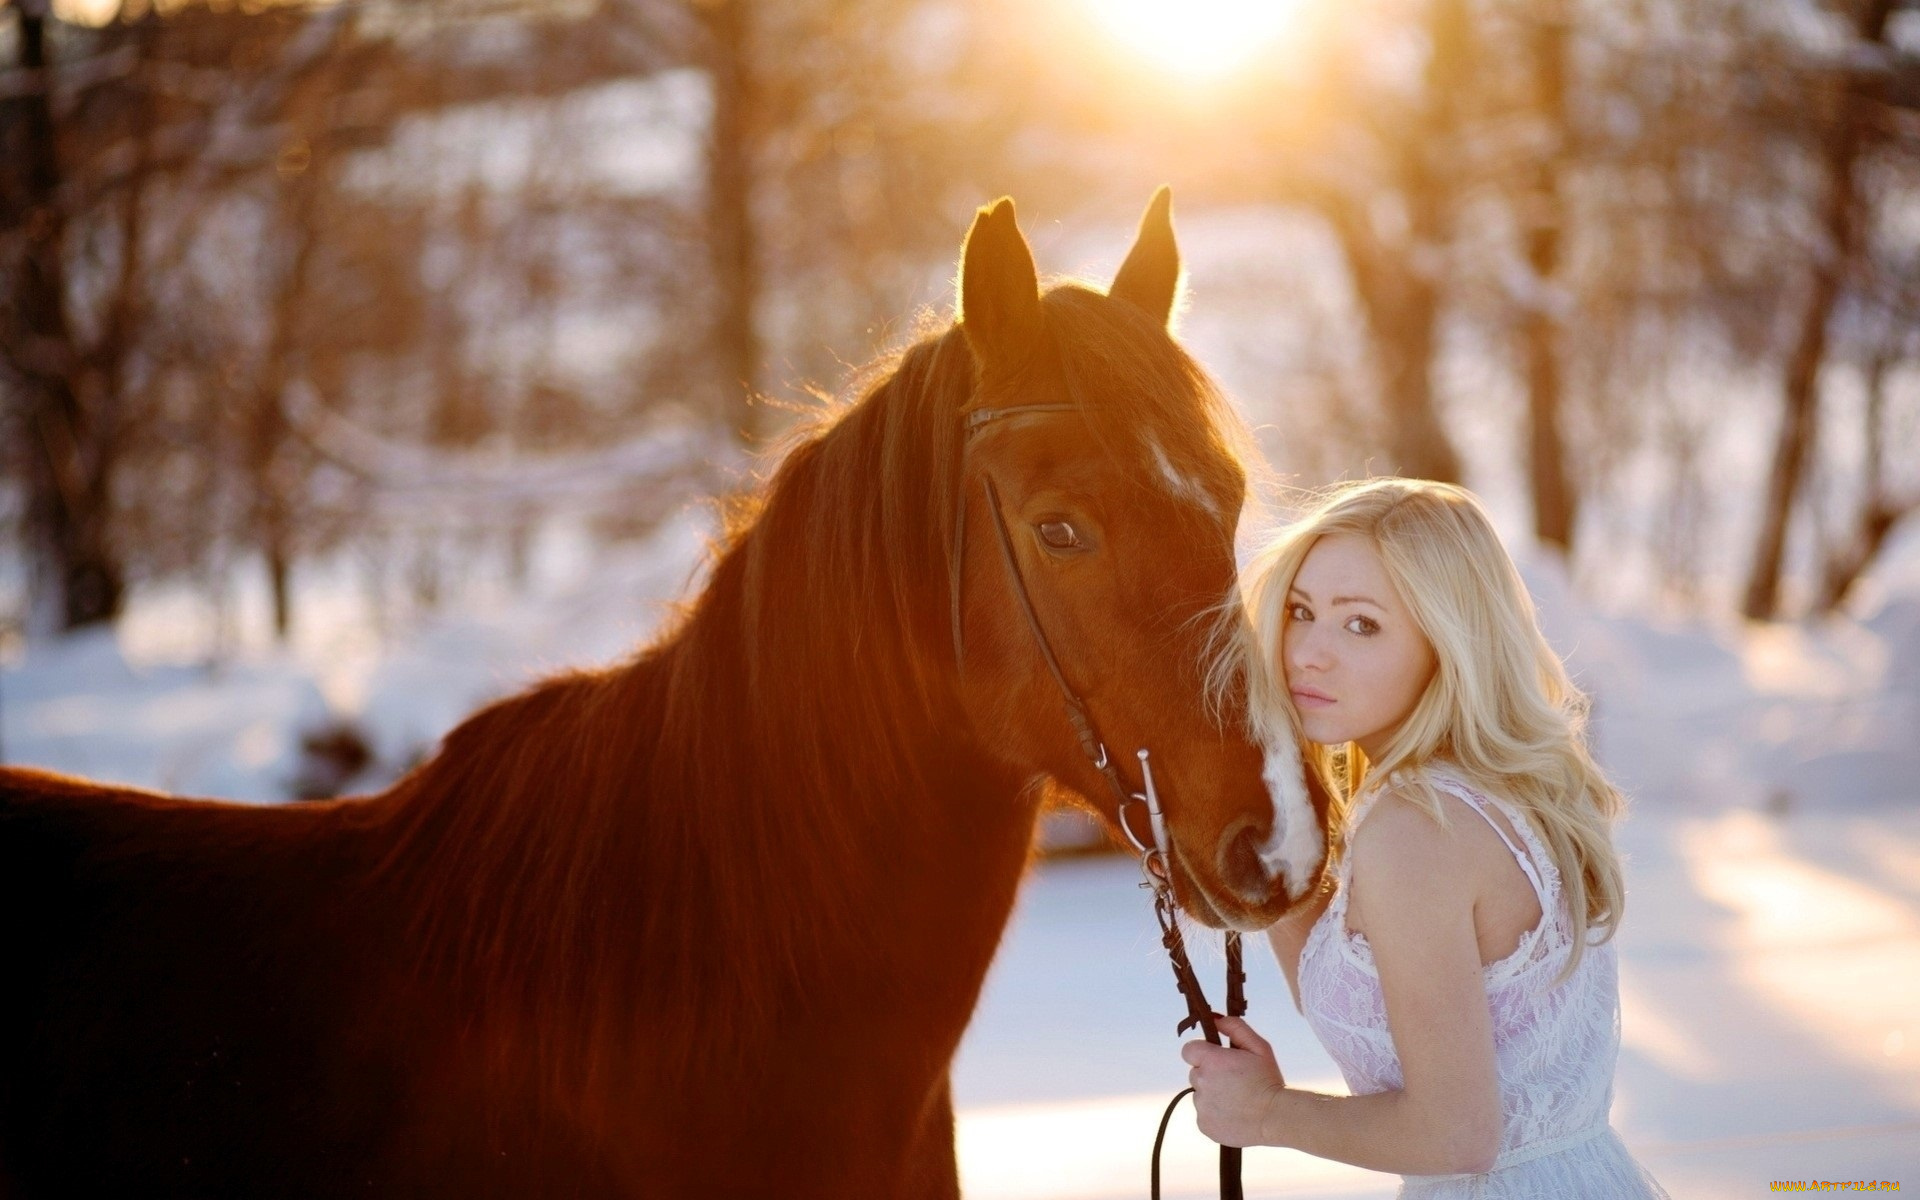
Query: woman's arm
point(1414, 891)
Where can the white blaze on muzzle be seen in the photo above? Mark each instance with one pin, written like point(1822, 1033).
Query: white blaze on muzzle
point(1297, 846)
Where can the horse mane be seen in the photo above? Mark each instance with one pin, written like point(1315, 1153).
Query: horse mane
point(680, 837)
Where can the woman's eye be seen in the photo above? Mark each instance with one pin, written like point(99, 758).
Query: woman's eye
point(1299, 612)
point(1059, 535)
point(1364, 626)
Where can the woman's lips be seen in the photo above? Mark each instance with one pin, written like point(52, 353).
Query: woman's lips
point(1307, 697)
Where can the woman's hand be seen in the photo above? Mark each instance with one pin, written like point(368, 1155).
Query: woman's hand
point(1234, 1086)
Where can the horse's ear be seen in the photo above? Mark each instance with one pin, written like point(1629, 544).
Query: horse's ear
point(999, 289)
point(1151, 274)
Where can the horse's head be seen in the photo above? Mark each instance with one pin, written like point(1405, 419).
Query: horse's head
point(1098, 478)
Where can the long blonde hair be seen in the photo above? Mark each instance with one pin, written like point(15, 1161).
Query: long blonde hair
point(1500, 707)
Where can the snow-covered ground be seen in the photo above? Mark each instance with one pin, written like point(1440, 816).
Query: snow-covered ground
point(1771, 953)
point(1771, 1012)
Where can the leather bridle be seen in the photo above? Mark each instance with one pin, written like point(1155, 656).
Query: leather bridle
point(1154, 863)
point(1078, 714)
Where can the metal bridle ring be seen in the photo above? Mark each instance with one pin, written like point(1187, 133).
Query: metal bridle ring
point(1159, 877)
point(1126, 826)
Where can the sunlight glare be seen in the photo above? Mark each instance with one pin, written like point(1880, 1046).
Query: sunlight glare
point(90, 13)
point(1096, 1146)
point(1835, 954)
point(1197, 38)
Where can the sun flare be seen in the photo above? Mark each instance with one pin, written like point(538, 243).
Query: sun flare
point(1196, 38)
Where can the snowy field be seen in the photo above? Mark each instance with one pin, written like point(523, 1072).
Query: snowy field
point(1770, 979)
point(1771, 953)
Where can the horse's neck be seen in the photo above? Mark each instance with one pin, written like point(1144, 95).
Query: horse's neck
point(804, 771)
point(762, 809)
point(827, 847)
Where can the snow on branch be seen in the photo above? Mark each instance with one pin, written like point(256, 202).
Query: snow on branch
point(412, 470)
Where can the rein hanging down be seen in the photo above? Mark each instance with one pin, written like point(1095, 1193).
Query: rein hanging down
point(1153, 865)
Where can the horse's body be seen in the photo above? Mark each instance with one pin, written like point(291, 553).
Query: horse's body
point(712, 922)
point(235, 1007)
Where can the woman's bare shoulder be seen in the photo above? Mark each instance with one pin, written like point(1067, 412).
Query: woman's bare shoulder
point(1399, 826)
point(1404, 855)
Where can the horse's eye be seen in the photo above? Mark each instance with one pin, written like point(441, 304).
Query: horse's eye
point(1059, 535)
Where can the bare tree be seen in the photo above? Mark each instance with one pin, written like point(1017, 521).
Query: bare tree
point(1395, 230)
point(1848, 107)
point(62, 411)
point(733, 52)
point(1542, 217)
point(1883, 501)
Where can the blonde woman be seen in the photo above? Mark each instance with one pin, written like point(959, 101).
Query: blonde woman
point(1457, 965)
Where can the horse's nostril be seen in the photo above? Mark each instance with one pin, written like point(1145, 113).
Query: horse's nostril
point(1239, 859)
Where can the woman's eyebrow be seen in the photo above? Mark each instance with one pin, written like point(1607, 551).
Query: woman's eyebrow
point(1339, 600)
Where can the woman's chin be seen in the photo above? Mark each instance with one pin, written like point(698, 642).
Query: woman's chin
point(1320, 731)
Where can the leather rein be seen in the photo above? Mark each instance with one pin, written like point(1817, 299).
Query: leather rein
point(1154, 864)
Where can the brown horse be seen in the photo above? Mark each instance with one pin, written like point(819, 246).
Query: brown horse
point(710, 923)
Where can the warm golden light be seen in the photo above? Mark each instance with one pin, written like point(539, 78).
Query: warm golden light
point(1198, 38)
point(93, 13)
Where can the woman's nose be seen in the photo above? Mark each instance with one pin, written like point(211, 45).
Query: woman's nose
point(1306, 651)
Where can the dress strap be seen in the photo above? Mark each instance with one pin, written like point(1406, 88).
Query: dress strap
point(1477, 803)
point(1472, 798)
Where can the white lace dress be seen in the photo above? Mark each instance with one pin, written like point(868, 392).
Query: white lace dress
point(1554, 1045)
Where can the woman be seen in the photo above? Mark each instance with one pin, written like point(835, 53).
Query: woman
point(1458, 964)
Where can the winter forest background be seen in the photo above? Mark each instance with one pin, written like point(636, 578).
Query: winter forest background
point(360, 360)
point(1650, 266)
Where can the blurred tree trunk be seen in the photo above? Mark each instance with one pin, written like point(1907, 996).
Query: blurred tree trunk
point(1402, 305)
point(1845, 566)
point(277, 476)
point(729, 201)
point(70, 440)
point(1543, 216)
point(1842, 227)
point(1879, 510)
point(270, 447)
point(1397, 274)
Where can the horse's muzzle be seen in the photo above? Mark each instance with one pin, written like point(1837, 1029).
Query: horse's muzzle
point(1238, 865)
